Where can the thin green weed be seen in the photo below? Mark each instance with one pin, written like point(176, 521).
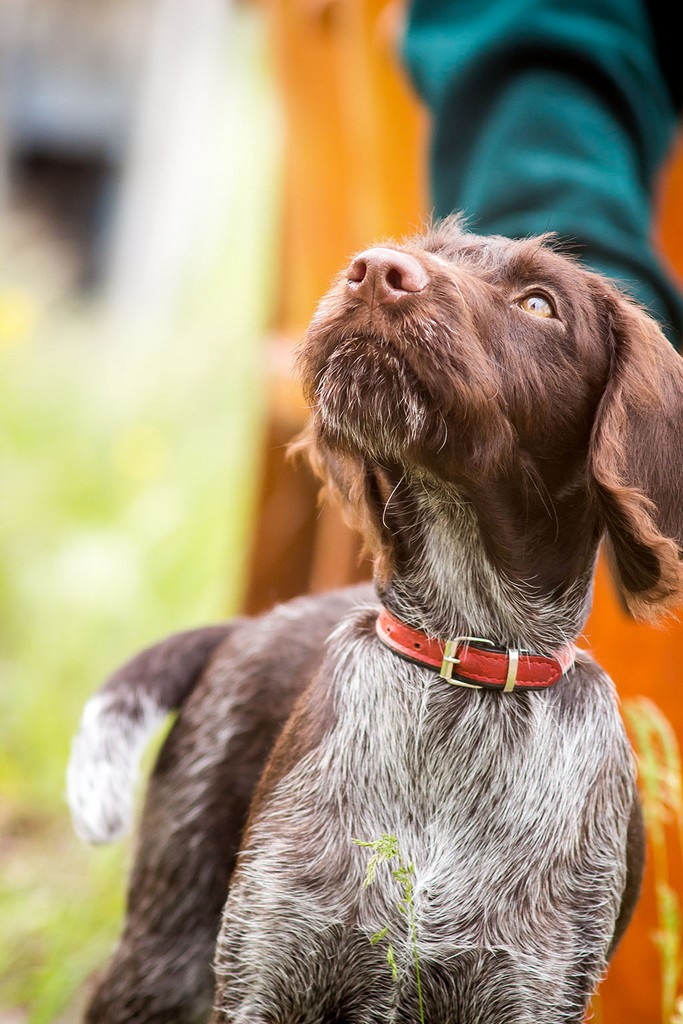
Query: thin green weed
point(387, 851)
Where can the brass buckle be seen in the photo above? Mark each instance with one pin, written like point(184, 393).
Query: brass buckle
point(450, 660)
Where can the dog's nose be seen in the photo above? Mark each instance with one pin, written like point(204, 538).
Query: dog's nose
point(380, 276)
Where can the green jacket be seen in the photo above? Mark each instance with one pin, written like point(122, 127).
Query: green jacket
point(553, 115)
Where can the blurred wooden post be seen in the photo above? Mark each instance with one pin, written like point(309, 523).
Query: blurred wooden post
point(355, 149)
point(354, 145)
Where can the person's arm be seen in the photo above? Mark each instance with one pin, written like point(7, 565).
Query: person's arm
point(550, 115)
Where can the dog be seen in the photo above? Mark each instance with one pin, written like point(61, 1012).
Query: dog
point(488, 411)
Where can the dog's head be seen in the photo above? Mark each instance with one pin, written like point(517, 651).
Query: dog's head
point(502, 375)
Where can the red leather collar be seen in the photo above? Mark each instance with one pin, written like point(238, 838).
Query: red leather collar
point(475, 662)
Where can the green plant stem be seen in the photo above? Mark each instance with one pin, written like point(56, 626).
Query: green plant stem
point(386, 849)
point(418, 980)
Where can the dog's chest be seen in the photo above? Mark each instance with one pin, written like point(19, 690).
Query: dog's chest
point(483, 791)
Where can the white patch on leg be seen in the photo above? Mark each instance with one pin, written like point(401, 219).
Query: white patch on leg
point(105, 760)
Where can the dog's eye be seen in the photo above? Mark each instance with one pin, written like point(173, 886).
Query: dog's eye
point(537, 304)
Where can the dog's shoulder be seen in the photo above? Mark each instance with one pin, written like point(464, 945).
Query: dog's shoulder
point(267, 660)
point(587, 694)
point(294, 627)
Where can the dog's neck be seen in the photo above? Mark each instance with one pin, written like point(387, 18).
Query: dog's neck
point(465, 569)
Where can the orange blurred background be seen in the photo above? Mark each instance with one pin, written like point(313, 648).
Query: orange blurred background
point(333, 148)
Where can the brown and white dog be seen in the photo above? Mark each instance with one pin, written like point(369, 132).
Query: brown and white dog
point(488, 410)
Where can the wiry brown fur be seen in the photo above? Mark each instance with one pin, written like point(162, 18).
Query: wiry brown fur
point(633, 397)
point(637, 444)
point(484, 453)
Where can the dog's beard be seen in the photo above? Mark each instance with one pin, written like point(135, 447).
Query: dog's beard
point(416, 398)
point(368, 397)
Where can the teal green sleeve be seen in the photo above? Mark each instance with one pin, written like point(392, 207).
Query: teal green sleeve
point(550, 115)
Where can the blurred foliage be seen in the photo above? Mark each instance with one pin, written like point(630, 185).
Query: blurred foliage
point(661, 790)
point(128, 470)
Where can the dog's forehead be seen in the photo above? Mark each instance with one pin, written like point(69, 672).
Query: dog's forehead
point(498, 257)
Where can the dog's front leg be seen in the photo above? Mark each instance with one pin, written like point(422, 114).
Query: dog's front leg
point(327, 982)
point(276, 962)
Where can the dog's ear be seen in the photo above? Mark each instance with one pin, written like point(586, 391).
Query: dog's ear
point(355, 486)
point(637, 459)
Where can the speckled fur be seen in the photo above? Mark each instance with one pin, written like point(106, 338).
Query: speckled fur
point(484, 454)
point(518, 875)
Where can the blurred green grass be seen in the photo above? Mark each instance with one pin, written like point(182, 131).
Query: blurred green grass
point(127, 487)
